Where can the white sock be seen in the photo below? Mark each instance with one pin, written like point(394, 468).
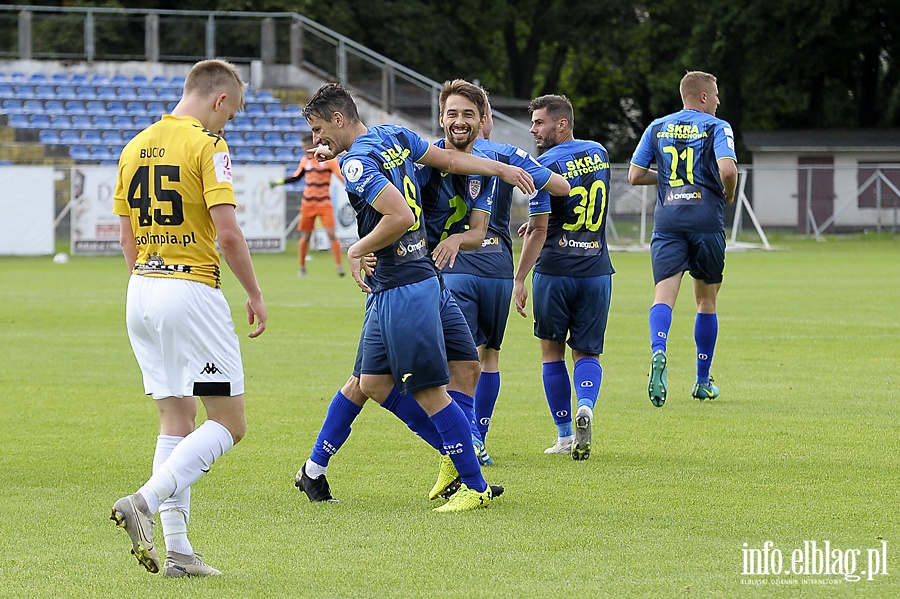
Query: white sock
point(189, 460)
point(174, 513)
point(313, 470)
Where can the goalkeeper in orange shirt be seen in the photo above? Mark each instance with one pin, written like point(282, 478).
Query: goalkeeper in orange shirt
point(316, 203)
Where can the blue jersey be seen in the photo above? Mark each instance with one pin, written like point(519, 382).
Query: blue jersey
point(385, 156)
point(686, 146)
point(494, 259)
point(576, 231)
point(448, 200)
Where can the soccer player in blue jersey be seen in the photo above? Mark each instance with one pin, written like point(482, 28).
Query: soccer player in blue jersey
point(403, 342)
point(482, 279)
point(696, 176)
point(565, 242)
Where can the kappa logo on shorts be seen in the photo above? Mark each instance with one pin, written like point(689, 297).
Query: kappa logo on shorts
point(210, 368)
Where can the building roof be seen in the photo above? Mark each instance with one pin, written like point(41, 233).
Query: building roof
point(823, 140)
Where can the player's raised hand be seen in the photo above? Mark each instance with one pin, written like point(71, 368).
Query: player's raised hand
point(518, 177)
point(321, 153)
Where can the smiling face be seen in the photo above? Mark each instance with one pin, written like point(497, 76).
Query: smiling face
point(461, 121)
point(545, 129)
point(327, 133)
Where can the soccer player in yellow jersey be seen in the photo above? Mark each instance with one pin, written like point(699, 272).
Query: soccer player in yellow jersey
point(174, 196)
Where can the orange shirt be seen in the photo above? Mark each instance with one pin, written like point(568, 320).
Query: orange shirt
point(318, 178)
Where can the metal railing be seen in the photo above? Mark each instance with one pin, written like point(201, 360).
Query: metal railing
point(271, 38)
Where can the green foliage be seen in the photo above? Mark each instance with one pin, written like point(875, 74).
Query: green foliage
point(800, 445)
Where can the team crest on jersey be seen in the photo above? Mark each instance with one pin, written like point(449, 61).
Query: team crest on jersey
point(155, 261)
point(474, 188)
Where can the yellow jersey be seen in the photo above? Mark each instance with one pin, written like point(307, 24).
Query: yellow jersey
point(170, 175)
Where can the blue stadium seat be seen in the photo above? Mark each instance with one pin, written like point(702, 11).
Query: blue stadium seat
point(112, 137)
point(293, 110)
point(78, 79)
point(123, 122)
point(136, 108)
point(263, 123)
point(156, 108)
point(128, 135)
point(240, 123)
point(106, 92)
point(33, 107)
point(69, 137)
point(138, 80)
point(82, 121)
point(100, 152)
point(265, 95)
point(95, 107)
point(166, 94)
point(119, 80)
point(54, 107)
point(38, 121)
point(38, 78)
point(98, 79)
point(74, 107)
point(273, 109)
point(103, 121)
point(86, 92)
point(285, 154)
point(66, 92)
point(18, 77)
point(90, 137)
point(24, 91)
point(146, 93)
point(273, 138)
point(44, 92)
point(177, 81)
point(253, 138)
point(48, 137)
point(18, 121)
point(143, 121)
point(253, 109)
point(126, 94)
point(12, 106)
point(116, 107)
point(59, 78)
point(293, 139)
point(7, 91)
point(159, 81)
point(79, 153)
point(282, 123)
point(61, 121)
point(300, 124)
point(264, 154)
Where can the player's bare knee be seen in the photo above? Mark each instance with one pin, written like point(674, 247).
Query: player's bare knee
point(352, 391)
point(464, 375)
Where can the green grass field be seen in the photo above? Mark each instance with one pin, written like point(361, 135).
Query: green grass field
point(802, 445)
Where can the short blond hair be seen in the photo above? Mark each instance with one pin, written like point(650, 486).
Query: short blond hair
point(212, 76)
point(695, 82)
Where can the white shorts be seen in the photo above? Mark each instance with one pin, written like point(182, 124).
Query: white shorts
point(183, 338)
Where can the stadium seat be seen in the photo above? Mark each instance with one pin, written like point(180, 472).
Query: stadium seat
point(293, 110)
point(142, 121)
point(166, 94)
point(156, 108)
point(138, 80)
point(18, 77)
point(59, 78)
point(44, 92)
point(61, 121)
point(24, 91)
point(79, 153)
point(18, 121)
point(273, 138)
point(293, 139)
point(90, 137)
point(253, 109)
point(49, 137)
point(75, 107)
point(264, 154)
point(78, 79)
point(159, 81)
point(240, 123)
point(38, 121)
point(128, 135)
point(103, 121)
point(95, 107)
point(111, 137)
point(7, 91)
point(37, 78)
point(106, 92)
point(146, 93)
point(119, 80)
point(265, 95)
point(33, 107)
point(100, 152)
point(12, 106)
point(86, 92)
point(126, 94)
point(98, 79)
point(263, 123)
point(136, 108)
point(253, 138)
point(69, 137)
point(54, 107)
point(116, 107)
point(66, 92)
point(285, 154)
point(177, 81)
point(122, 122)
point(300, 124)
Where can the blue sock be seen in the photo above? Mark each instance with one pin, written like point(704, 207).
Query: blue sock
point(457, 437)
point(660, 322)
point(706, 329)
point(335, 430)
point(407, 409)
point(587, 376)
point(486, 394)
point(467, 405)
point(558, 390)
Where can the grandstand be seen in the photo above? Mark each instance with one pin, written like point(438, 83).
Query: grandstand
point(91, 118)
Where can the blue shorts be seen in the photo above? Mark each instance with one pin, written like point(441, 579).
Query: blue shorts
point(484, 302)
point(572, 308)
point(403, 337)
point(701, 254)
point(370, 298)
point(458, 342)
